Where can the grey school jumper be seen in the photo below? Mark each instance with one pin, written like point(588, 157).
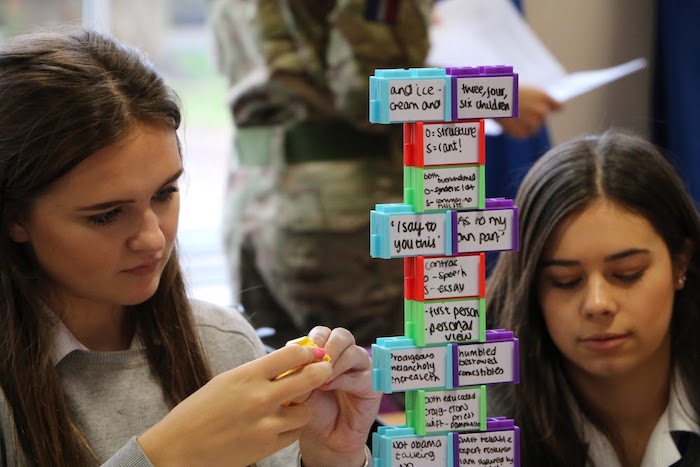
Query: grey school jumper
point(114, 397)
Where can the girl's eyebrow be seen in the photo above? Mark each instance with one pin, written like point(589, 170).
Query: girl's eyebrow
point(117, 202)
point(607, 259)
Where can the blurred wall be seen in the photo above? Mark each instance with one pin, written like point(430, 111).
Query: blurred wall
point(143, 23)
point(594, 34)
point(20, 16)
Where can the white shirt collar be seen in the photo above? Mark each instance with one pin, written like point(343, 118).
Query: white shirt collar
point(661, 449)
point(64, 342)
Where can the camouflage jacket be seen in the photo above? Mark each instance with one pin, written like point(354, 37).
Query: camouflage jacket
point(287, 60)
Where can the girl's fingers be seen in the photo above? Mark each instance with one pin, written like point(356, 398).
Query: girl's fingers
point(305, 379)
point(300, 399)
point(334, 342)
point(320, 335)
point(296, 416)
point(293, 420)
point(351, 363)
point(354, 358)
point(287, 358)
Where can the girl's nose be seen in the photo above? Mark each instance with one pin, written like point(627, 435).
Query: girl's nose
point(149, 236)
point(599, 298)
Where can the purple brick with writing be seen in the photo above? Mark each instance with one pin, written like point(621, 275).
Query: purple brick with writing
point(480, 72)
point(494, 424)
point(492, 336)
point(490, 204)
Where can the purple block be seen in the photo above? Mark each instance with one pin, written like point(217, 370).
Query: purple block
point(498, 335)
point(463, 71)
point(493, 70)
point(498, 203)
point(499, 423)
point(472, 372)
point(509, 425)
point(507, 203)
point(497, 70)
point(516, 229)
point(455, 447)
point(477, 74)
point(471, 241)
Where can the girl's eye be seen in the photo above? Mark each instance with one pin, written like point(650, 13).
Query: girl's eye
point(565, 284)
point(105, 218)
point(165, 194)
point(630, 277)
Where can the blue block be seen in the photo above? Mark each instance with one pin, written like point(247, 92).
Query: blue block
point(410, 95)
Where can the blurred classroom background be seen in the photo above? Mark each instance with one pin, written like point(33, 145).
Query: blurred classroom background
point(581, 35)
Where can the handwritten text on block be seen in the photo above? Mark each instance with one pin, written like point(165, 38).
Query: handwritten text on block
point(428, 451)
point(452, 276)
point(488, 230)
point(452, 321)
point(416, 100)
point(458, 409)
point(418, 368)
point(485, 97)
point(495, 449)
point(451, 143)
point(486, 363)
point(417, 234)
point(451, 188)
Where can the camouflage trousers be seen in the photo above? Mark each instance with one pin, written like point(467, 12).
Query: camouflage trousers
point(297, 240)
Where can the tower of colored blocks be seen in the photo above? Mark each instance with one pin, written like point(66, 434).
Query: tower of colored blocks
point(447, 356)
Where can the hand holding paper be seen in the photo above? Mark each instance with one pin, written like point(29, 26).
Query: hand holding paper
point(461, 35)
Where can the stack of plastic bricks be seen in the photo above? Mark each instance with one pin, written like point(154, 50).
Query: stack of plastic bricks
point(447, 356)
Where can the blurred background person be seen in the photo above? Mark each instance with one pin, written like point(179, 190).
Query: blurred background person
point(307, 166)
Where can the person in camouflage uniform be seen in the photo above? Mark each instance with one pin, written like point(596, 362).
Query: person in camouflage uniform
point(307, 166)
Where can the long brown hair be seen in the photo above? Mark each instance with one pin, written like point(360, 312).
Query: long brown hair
point(63, 96)
point(632, 173)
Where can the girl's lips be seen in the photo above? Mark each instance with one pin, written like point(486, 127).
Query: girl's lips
point(144, 269)
point(605, 341)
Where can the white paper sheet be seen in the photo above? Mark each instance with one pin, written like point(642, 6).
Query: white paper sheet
point(492, 32)
point(489, 32)
point(575, 84)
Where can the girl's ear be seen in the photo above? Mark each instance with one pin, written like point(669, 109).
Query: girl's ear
point(681, 263)
point(18, 233)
